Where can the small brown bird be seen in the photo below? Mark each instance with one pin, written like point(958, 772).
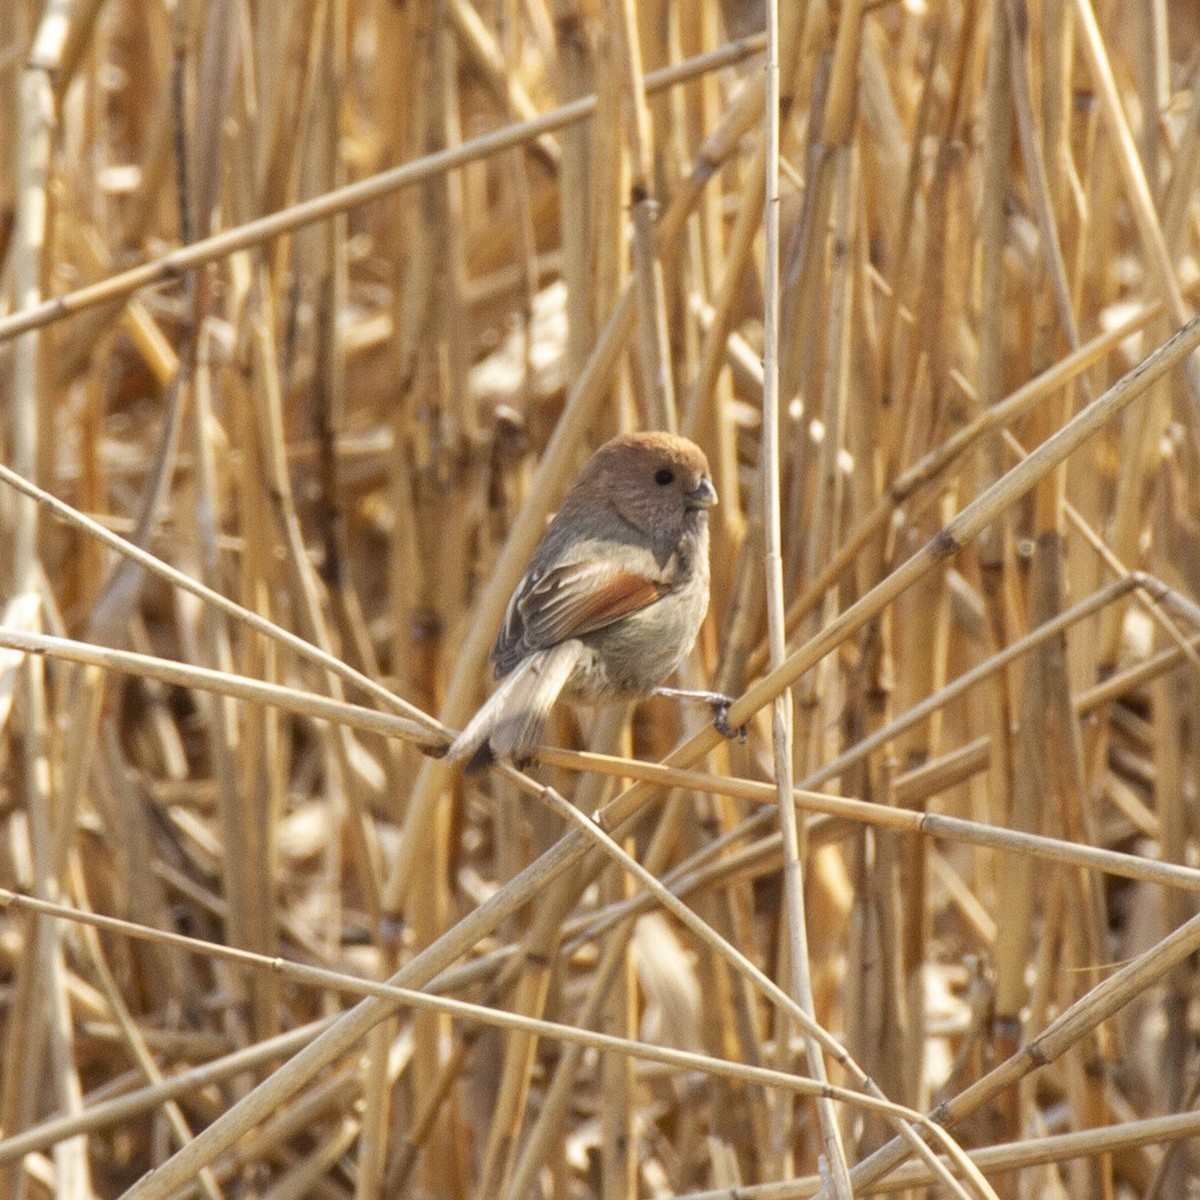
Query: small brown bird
point(613, 597)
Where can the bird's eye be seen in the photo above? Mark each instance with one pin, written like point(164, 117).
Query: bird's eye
point(663, 476)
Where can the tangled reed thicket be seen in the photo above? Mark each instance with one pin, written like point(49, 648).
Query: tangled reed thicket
point(309, 313)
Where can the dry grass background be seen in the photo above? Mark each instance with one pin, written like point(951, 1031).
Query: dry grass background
point(310, 311)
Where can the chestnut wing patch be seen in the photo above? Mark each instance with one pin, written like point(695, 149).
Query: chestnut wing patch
point(575, 599)
point(568, 602)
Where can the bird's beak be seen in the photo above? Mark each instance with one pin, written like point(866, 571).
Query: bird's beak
point(705, 496)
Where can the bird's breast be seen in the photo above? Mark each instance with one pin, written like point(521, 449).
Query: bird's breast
point(631, 657)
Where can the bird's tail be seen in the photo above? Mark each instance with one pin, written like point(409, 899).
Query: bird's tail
point(509, 725)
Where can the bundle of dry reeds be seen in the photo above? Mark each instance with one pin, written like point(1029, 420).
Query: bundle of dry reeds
point(310, 312)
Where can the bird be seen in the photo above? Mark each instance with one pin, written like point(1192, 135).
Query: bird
point(612, 600)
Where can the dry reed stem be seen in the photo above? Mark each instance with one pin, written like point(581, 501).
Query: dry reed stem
point(796, 946)
point(1050, 1148)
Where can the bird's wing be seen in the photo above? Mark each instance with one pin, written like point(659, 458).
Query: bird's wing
point(569, 601)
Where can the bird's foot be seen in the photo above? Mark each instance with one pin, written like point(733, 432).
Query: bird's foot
point(720, 710)
point(717, 701)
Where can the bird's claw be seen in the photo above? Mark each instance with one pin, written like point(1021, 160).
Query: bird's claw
point(720, 708)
